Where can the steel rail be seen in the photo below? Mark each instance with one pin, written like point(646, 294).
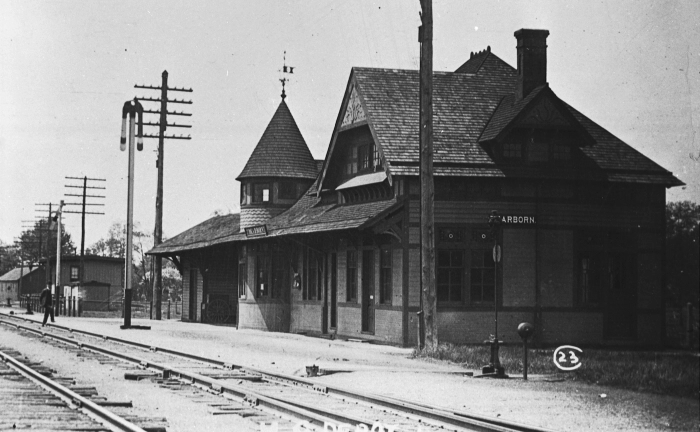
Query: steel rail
point(316, 417)
point(109, 419)
point(452, 417)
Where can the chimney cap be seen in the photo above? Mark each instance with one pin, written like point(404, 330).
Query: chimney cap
point(531, 33)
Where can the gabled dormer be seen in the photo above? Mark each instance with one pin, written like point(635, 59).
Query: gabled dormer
point(536, 130)
point(355, 168)
point(532, 126)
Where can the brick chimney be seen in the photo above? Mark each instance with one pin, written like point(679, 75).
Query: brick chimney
point(532, 60)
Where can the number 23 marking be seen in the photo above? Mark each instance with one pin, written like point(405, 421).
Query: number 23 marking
point(573, 358)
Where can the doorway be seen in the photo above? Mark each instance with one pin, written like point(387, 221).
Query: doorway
point(621, 314)
point(334, 290)
point(368, 291)
point(193, 295)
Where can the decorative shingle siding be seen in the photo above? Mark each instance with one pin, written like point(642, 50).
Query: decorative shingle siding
point(254, 216)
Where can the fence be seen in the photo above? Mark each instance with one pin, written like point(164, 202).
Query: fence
point(76, 306)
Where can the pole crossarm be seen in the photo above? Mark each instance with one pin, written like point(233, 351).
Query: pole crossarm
point(88, 196)
point(179, 113)
point(85, 187)
point(87, 204)
point(180, 89)
point(86, 178)
point(180, 101)
point(182, 137)
point(167, 124)
point(80, 212)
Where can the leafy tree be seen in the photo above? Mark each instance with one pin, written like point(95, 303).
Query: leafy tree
point(31, 247)
point(9, 257)
point(682, 251)
point(35, 242)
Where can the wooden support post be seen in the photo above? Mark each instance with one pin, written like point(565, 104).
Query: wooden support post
point(428, 288)
point(158, 232)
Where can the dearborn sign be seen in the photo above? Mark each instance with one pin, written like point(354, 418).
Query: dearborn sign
point(256, 231)
point(518, 219)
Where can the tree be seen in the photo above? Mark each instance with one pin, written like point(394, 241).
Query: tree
point(682, 252)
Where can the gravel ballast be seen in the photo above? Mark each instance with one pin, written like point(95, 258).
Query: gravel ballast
point(385, 370)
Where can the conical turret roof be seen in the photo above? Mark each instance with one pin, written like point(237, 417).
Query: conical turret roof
point(281, 151)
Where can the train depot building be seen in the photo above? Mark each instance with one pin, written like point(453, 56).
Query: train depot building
point(333, 247)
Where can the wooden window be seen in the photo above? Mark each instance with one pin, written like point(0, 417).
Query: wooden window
point(367, 157)
point(279, 274)
point(512, 150)
point(261, 193)
point(288, 190)
point(312, 273)
point(385, 272)
point(262, 276)
point(561, 152)
point(74, 273)
point(538, 151)
point(351, 277)
point(242, 275)
point(482, 280)
point(450, 275)
point(243, 193)
point(351, 161)
point(590, 278)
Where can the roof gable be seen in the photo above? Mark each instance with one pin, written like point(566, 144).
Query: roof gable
point(353, 113)
point(476, 60)
point(281, 151)
point(540, 108)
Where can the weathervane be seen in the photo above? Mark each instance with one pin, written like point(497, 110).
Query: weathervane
point(285, 69)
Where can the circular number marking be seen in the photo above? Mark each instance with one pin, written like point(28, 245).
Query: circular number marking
point(566, 357)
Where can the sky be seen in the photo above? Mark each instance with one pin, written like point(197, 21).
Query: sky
point(67, 67)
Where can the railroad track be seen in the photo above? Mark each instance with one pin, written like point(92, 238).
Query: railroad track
point(260, 394)
point(33, 398)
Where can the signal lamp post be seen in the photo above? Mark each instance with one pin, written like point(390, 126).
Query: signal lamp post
point(494, 368)
point(131, 108)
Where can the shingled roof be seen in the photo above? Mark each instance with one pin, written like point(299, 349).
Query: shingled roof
point(464, 103)
point(281, 151)
point(217, 230)
point(13, 275)
point(308, 215)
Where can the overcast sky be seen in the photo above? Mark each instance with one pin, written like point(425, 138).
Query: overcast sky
point(67, 67)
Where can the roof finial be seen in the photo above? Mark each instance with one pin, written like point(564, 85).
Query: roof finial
point(285, 69)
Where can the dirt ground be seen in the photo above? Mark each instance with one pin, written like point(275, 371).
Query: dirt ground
point(390, 371)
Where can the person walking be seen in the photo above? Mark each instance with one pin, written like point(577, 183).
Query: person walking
point(46, 301)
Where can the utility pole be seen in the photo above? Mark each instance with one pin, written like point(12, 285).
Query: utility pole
point(427, 188)
point(58, 251)
point(48, 246)
point(84, 195)
point(162, 126)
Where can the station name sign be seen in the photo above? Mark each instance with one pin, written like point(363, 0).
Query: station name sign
point(518, 219)
point(256, 231)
